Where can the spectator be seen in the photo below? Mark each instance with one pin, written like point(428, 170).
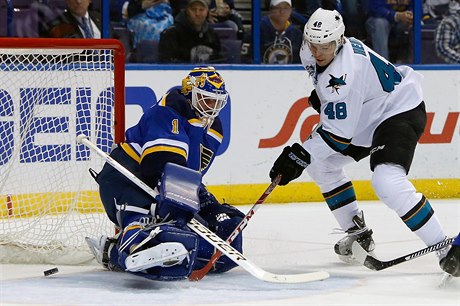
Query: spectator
point(178, 6)
point(307, 7)
point(447, 36)
point(134, 7)
point(118, 10)
point(76, 22)
point(280, 41)
point(434, 11)
point(354, 19)
point(385, 18)
point(222, 13)
point(148, 25)
point(190, 39)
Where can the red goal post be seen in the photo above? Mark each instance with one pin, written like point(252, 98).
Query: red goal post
point(51, 90)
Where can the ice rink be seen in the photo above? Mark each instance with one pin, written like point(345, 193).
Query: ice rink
point(284, 238)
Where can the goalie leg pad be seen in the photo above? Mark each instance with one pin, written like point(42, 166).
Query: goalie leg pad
point(178, 198)
point(115, 189)
point(168, 253)
point(206, 250)
point(222, 219)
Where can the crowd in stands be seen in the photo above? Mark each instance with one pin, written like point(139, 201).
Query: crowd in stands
point(76, 21)
point(214, 31)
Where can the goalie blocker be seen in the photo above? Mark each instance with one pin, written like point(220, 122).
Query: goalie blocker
point(155, 242)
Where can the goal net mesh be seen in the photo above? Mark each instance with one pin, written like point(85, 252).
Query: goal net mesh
point(49, 202)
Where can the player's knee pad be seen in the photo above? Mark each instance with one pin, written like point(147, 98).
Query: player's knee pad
point(144, 238)
point(392, 186)
point(206, 250)
point(326, 176)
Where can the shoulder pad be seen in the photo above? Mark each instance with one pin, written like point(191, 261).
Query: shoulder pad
point(175, 100)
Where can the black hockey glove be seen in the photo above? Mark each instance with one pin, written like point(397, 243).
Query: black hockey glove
point(290, 164)
point(314, 101)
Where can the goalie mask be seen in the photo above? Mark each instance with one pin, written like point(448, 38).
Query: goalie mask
point(323, 27)
point(205, 89)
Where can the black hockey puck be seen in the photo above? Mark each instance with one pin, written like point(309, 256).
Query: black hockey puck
point(51, 271)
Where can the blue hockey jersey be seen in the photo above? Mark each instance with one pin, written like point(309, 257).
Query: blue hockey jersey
point(171, 131)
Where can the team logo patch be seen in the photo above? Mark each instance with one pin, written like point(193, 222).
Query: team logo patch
point(280, 52)
point(335, 83)
point(205, 157)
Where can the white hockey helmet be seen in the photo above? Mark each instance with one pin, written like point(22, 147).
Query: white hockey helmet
point(324, 26)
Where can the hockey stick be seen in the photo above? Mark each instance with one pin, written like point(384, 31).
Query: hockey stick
point(208, 235)
point(199, 274)
point(373, 263)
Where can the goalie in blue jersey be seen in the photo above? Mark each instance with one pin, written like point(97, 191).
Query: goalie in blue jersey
point(170, 148)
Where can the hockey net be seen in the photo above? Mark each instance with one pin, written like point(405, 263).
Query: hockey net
point(51, 90)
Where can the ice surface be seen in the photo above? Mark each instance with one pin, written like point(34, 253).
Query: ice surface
point(284, 238)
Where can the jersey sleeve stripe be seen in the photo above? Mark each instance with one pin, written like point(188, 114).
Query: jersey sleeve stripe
point(154, 149)
point(216, 135)
point(131, 152)
point(336, 143)
point(166, 142)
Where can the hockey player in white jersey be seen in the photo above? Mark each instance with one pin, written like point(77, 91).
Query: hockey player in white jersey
point(367, 106)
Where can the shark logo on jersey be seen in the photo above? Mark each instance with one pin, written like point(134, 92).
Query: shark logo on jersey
point(335, 83)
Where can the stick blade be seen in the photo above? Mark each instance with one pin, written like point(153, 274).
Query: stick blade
point(199, 274)
point(364, 258)
point(294, 278)
point(359, 253)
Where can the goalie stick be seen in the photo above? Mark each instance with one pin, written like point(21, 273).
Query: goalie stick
point(208, 235)
point(364, 258)
point(199, 274)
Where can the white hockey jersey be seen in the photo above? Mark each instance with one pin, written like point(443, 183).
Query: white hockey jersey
point(358, 90)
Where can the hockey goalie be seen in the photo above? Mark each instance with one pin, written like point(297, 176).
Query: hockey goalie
point(171, 147)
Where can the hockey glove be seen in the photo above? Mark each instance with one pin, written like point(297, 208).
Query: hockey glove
point(213, 212)
point(314, 101)
point(290, 164)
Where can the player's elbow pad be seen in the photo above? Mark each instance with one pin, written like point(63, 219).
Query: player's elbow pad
point(314, 101)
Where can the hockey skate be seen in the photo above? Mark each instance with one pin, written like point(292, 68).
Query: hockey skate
point(359, 233)
point(449, 260)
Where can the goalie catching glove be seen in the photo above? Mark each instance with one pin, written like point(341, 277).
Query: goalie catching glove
point(290, 164)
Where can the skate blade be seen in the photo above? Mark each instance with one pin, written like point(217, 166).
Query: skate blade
point(445, 280)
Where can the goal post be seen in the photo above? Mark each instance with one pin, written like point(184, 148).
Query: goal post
point(52, 90)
